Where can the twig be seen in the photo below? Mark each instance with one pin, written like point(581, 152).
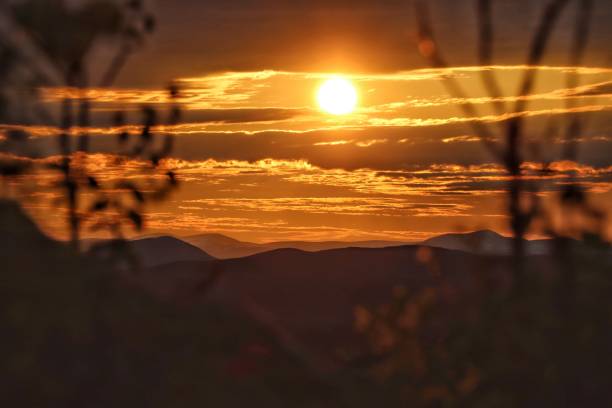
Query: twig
point(485, 54)
point(430, 50)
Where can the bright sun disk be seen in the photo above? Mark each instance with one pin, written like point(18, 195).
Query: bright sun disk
point(337, 96)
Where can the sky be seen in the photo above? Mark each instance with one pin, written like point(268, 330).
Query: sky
point(259, 160)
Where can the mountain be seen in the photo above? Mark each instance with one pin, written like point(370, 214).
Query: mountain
point(224, 247)
point(20, 239)
point(274, 329)
point(154, 251)
point(308, 299)
point(485, 242)
point(166, 249)
point(17, 230)
point(479, 242)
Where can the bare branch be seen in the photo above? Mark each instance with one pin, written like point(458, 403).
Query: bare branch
point(538, 47)
point(36, 60)
point(428, 47)
point(116, 65)
point(485, 53)
point(579, 44)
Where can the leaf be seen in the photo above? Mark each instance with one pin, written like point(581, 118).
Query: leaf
point(150, 116)
point(92, 182)
point(8, 170)
point(17, 135)
point(137, 194)
point(123, 137)
point(573, 194)
point(83, 143)
point(119, 118)
point(135, 4)
point(99, 205)
point(175, 114)
point(173, 90)
point(136, 219)
point(172, 177)
point(149, 23)
point(146, 133)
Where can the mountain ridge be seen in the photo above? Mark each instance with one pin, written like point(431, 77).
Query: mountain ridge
point(223, 247)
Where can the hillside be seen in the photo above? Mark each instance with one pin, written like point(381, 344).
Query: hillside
point(485, 242)
point(152, 251)
point(166, 249)
point(309, 299)
point(224, 247)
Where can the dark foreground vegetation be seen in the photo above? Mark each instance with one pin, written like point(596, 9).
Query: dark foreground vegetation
point(402, 326)
point(76, 334)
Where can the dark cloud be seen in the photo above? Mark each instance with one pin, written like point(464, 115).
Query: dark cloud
point(196, 37)
point(378, 148)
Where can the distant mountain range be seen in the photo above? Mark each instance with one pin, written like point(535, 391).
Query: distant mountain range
point(165, 249)
point(485, 242)
point(160, 250)
point(150, 251)
point(224, 247)
point(308, 299)
point(480, 242)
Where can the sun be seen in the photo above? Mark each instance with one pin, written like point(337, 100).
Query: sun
point(337, 96)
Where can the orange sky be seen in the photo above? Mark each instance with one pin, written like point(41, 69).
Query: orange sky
point(259, 160)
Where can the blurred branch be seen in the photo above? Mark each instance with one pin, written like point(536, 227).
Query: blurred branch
point(428, 47)
point(485, 53)
point(130, 36)
point(115, 66)
point(537, 50)
point(36, 60)
point(579, 45)
point(510, 155)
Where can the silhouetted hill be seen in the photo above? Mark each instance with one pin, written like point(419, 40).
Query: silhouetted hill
point(17, 229)
point(24, 246)
point(262, 330)
point(485, 242)
point(153, 251)
point(166, 249)
point(309, 299)
point(224, 247)
point(480, 242)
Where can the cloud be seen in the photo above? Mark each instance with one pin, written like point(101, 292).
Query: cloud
point(371, 142)
point(334, 143)
point(272, 199)
point(346, 206)
point(253, 115)
point(335, 36)
point(602, 89)
point(338, 148)
point(256, 158)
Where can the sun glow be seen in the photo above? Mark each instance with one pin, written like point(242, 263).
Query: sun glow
point(337, 96)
